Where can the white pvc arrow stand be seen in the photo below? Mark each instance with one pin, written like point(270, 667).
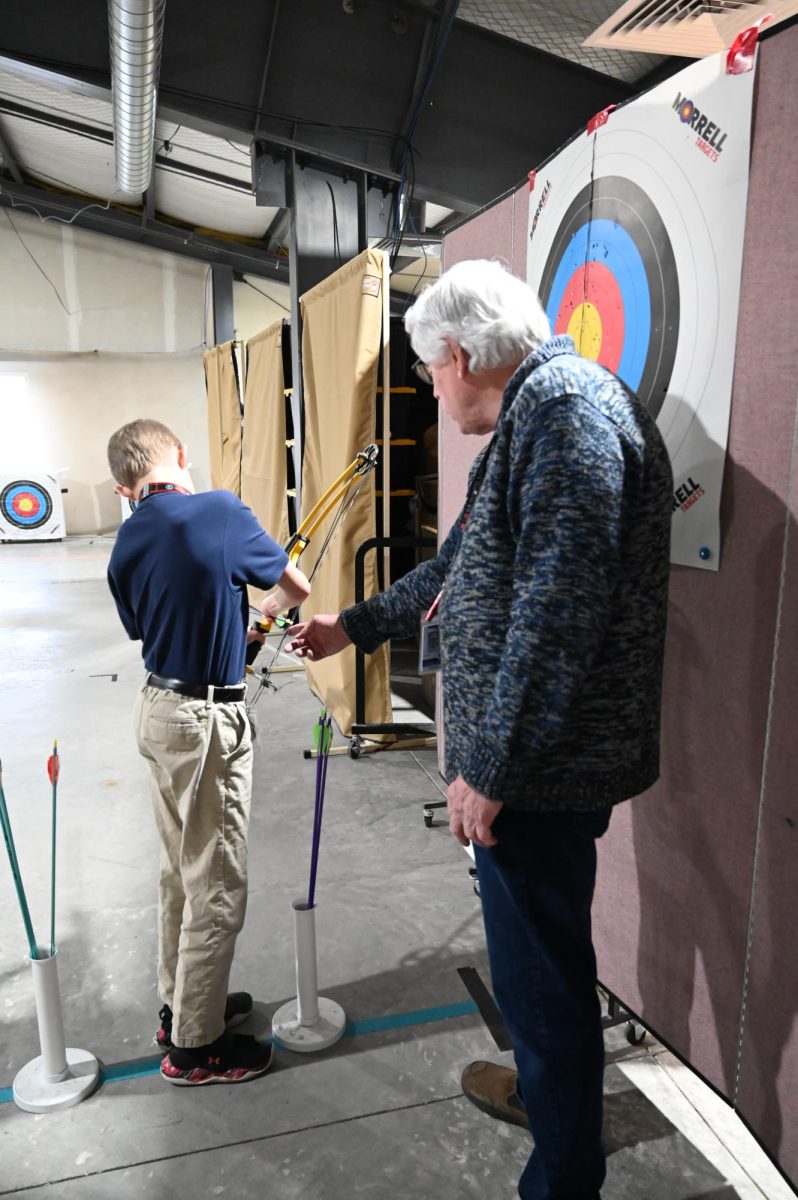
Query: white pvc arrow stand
point(310, 1022)
point(61, 1076)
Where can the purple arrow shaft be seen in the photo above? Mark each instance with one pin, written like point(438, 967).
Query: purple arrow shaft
point(325, 726)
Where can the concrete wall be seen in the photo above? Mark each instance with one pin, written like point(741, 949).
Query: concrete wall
point(94, 332)
point(72, 403)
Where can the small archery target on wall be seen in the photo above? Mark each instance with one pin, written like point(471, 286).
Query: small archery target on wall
point(31, 508)
point(610, 281)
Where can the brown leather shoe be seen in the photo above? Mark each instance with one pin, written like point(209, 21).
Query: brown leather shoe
point(492, 1089)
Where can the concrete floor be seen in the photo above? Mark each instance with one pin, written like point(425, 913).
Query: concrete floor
point(381, 1114)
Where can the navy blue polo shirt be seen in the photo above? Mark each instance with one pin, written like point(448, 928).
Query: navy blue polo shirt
point(178, 574)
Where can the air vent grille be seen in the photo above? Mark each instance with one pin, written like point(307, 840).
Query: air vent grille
point(693, 28)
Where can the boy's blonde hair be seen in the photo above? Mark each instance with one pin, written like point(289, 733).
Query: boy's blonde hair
point(135, 448)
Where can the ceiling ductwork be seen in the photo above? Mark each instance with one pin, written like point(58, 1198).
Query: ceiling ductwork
point(693, 28)
point(135, 30)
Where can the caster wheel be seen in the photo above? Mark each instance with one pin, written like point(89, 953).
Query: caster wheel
point(635, 1034)
point(354, 747)
point(428, 819)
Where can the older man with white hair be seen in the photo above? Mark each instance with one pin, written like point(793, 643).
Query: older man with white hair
point(552, 588)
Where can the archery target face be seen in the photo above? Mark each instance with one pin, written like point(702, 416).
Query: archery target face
point(25, 505)
point(610, 281)
point(31, 508)
point(626, 265)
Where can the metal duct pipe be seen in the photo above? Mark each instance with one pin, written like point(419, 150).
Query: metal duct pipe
point(135, 30)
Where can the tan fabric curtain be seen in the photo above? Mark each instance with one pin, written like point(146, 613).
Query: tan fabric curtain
point(224, 417)
point(263, 456)
point(342, 330)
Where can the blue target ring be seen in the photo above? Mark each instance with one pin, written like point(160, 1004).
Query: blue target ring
point(25, 504)
point(614, 224)
point(605, 242)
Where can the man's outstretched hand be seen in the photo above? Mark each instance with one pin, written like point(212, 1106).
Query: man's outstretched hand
point(319, 637)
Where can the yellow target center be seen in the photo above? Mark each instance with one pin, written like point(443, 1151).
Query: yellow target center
point(26, 505)
point(585, 328)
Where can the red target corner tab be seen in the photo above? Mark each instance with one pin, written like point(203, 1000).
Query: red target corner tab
point(532, 177)
point(601, 118)
point(742, 52)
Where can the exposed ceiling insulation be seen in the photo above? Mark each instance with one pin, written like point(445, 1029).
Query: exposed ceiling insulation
point(64, 140)
point(65, 160)
point(435, 213)
point(211, 206)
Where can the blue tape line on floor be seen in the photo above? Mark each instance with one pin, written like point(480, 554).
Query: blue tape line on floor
point(420, 1016)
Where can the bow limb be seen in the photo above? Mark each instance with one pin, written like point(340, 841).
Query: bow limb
point(364, 461)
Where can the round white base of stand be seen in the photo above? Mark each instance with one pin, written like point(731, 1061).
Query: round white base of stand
point(35, 1093)
point(324, 1032)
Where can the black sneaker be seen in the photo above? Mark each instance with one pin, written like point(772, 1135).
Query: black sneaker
point(236, 1010)
point(232, 1058)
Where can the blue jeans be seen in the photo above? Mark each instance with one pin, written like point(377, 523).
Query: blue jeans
point(537, 888)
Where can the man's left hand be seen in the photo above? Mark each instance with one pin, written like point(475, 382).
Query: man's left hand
point(471, 815)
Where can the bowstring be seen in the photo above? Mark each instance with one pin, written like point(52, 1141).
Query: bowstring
point(343, 509)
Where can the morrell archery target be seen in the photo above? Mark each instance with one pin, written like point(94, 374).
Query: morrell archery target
point(635, 249)
point(31, 508)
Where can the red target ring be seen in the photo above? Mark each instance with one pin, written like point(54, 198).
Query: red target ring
point(592, 312)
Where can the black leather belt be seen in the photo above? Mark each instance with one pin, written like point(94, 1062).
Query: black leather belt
point(197, 691)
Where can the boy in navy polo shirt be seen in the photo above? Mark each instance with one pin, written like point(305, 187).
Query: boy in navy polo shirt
point(179, 573)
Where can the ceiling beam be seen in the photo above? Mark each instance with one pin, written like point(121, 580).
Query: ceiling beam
point(155, 234)
point(180, 168)
point(206, 118)
point(266, 65)
point(94, 133)
point(432, 48)
point(9, 159)
point(148, 196)
point(54, 79)
point(310, 155)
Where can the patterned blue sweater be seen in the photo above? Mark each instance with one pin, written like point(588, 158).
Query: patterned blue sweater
point(554, 605)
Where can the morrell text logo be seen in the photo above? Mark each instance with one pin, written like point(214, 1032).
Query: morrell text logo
point(687, 495)
point(544, 197)
point(709, 136)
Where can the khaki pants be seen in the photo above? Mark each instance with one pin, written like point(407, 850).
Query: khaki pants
point(200, 757)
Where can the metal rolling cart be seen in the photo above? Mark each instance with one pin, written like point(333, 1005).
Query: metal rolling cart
point(409, 735)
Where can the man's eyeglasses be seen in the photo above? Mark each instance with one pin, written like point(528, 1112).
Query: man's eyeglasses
point(422, 370)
